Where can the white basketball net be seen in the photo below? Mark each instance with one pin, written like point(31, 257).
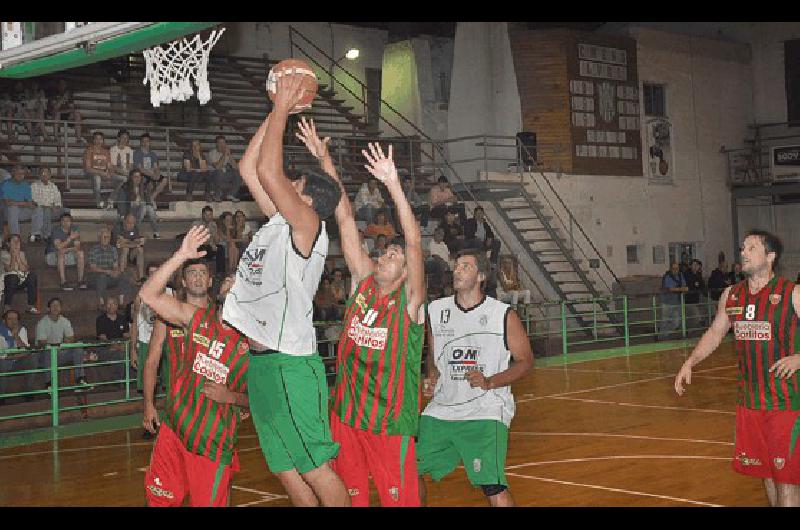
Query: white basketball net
point(169, 70)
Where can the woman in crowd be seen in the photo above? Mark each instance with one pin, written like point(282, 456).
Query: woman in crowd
point(134, 197)
point(18, 275)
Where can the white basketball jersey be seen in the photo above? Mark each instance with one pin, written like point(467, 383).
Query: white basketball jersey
point(144, 320)
point(464, 340)
point(271, 300)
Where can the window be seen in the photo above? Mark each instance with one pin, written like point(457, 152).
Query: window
point(632, 252)
point(658, 254)
point(791, 63)
point(654, 100)
point(677, 251)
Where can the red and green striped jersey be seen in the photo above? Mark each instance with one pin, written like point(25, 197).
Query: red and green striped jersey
point(218, 353)
point(764, 327)
point(378, 363)
point(173, 347)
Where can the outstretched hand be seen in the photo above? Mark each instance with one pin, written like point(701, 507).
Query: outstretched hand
point(380, 166)
point(308, 135)
point(288, 89)
point(194, 239)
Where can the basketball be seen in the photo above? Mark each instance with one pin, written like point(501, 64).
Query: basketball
point(294, 67)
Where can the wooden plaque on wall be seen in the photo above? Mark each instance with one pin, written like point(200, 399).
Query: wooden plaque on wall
point(579, 93)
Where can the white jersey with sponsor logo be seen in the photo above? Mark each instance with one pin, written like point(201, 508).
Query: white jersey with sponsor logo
point(464, 340)
point(271, 300)
point(144, 321)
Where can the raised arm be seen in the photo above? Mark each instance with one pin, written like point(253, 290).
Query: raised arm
point(383, 168)
point(153, 291)
point(707, 344)
point(302, 217)
point(249, 173)
point(358, 261)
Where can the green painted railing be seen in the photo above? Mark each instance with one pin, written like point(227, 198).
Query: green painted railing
point(552, 329)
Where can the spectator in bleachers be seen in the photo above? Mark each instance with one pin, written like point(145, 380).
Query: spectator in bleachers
point(718, 280)
point(130, 243)
point(418, 205)
point(64, 250)
point(243, 233)
point(478, 234)
point(134, 198)
point(735, 275)
point(453, 231)
point(369, 201)
point(339, 288)
point(442, 199)
point(110, 325)
point(213, 250)
point(379, 246)
point(226, 171)
point(146, 161)
point(7, 110)
point(13, 335)
point(19, 100)
point(195, 169)
point(227, 240)
point(35, 108)
point(97, 164)
point(8, 158)
point(62, 107)
point(17, 199)
point(437, 259)
point(325, 306)
point(18, 275)
point(380, 226)
point(509, 288)
point(121, 165)
point(672, 285)
point(104, 269)
point(697, 287)
point(47, 198)
point(55, 329)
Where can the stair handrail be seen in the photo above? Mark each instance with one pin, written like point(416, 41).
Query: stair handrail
point(572, 219)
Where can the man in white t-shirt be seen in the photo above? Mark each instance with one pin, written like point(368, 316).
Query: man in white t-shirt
point(473, 339)
point(120, 165)
point(437, 259)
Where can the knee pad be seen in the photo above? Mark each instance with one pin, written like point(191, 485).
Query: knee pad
point(493, 489)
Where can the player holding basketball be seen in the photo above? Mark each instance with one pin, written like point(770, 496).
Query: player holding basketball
point(271, 303)
point(474, 338)
point(376, 397)
point(763, 310)
point(195, 452)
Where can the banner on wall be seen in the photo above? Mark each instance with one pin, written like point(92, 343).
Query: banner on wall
point(785, 163)
point(658, 149)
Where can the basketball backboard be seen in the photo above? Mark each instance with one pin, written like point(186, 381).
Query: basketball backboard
point(31, 49)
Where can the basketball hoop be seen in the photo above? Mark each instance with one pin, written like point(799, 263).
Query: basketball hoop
point(169, 70)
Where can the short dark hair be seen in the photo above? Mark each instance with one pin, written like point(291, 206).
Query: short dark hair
point(134, 170)
point(144, 135)
point(189, 263)
point(122, 131)
point(65, 214)
point(481, 261)
point(5, 315)
point(207, 208)
point(442, 178)
point(324, 192)
point(54, 299)
point(771, 242)
point(478, 208)
point(219, 137)
point(98, 133)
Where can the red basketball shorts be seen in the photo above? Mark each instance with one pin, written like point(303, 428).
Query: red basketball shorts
point(390, 460)
point(762, 445)
point(176, 472)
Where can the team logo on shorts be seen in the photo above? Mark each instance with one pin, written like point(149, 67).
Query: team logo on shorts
point(394, 491)
point(158, 491)
point(779, 463)
point(745, 461)
point(476, 465)
point(775, 299)
point(352, 492)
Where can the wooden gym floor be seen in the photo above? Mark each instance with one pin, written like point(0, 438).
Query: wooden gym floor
point(605, 432)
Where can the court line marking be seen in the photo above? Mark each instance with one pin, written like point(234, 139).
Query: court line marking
point(632, 372)
point(605, 387)
point(74, 450)
point(661, 407)
point(612, 435)
point(620, 457)
point(259, 501)
point(615, 490)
